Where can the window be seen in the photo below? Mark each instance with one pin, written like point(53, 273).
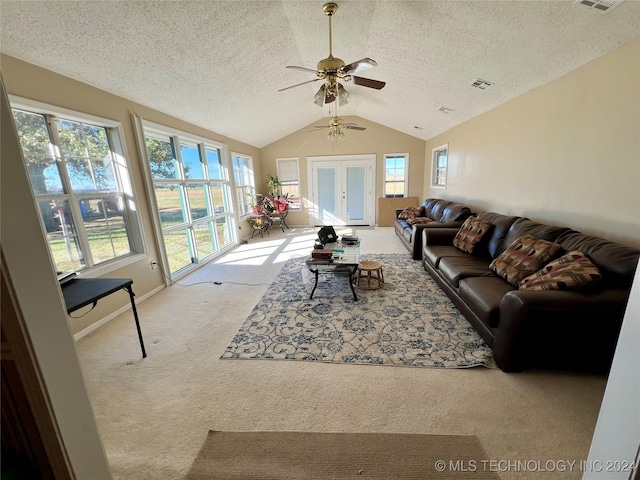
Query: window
point(439, 167)
point(79, 178)
point(192, 192)
point(245, 182)
point(395, 175)
point(289, 176)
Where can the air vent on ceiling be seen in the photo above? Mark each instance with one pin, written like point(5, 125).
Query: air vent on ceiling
point(445, 109)
point(599, 5)
point(481, 84)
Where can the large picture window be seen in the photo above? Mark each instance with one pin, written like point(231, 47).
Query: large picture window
point(192, 193)
point(79, 178)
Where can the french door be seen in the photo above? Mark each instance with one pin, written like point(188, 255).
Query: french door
point(342, 189)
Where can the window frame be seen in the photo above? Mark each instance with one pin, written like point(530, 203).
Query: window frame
point(439, 172)
point(244, 190)
point(179, 139)
point(292, 206)
point(122, 167)
point(406, 174)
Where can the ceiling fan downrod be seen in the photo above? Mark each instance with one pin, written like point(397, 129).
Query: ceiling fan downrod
point(329, 10)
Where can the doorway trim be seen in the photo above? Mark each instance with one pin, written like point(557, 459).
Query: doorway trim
point(370, 204)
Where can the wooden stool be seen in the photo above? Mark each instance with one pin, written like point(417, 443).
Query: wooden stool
point(365, 278)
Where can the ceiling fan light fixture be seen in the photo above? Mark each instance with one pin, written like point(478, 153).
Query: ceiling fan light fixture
point(318, 98)
point(342, 95)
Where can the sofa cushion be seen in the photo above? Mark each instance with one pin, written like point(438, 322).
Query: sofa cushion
point(493, 241)
point(483, 296)
point(524, 226)
point(455, 213)
point(523, 257)
point(471, 233)
point(428, 206)
point(438, 209)
point(616, 262)
point(410, 212)
point(569, 272)
point(455, 269)
point(433, 253)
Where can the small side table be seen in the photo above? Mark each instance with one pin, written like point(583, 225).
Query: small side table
point(369, 275)
point(260, 223)
point(280, 218)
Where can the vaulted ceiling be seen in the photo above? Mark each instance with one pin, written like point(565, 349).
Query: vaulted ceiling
point(220, 64)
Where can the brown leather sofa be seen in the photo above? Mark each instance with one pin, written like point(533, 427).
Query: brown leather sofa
point(439, 213)
point(566, 329)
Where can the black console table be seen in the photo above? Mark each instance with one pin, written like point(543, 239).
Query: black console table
point(81, 292)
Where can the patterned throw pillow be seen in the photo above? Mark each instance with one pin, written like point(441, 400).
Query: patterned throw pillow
point(571, 271)
point(416, 220)
point(470, 234)
point(523, 257)
point(410, 212)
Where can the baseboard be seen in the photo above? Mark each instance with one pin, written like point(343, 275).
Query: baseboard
point(94, 326)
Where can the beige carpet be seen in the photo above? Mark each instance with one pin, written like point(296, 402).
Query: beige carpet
point(323, 456)
point(154, 414)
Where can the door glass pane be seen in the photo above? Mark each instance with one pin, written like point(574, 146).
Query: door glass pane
point(355, 193)
point(61, 235)
point(105, 226)
point(205, 242)
point(223, 230)
point(215, 164)
point(178, 247)
point(327, 195)
point(162, 158)
point(170, 201)
point(198, 202)
point(191, 162)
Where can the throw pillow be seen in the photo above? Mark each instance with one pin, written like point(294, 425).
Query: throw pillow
point(523, 257)
point(410, 212)
point(571, 271)
point(471, 232)
point(416, 220)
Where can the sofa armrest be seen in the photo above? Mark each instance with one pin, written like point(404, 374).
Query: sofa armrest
point(538, 323)
point(438, 236)
point(398, 211)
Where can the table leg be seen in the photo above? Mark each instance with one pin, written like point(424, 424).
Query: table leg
point(350, 280)
point(135, 316)
point(315, 285)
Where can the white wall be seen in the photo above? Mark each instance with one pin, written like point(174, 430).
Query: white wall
point(566, 153)
point(617, 434)
point(40, 300)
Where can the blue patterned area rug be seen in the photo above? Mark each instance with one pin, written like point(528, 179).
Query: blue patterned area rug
point(410, 322)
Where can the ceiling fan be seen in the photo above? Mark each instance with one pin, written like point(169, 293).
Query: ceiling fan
point(331, 69)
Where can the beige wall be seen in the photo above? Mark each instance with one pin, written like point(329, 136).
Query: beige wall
point(566, 153)
point(28, 81)
point(375, 139)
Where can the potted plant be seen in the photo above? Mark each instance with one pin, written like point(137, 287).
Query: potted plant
point(274, 185)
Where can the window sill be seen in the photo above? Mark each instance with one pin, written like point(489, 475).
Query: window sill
point(102, 270)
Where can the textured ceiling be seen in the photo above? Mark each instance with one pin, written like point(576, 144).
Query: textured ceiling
point(219, 64)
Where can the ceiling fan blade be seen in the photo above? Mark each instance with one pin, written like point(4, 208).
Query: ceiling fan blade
point(354, 127)
point(303, 69)
point(298, 84)
point(367, 82)
point(321, 126)
point(358, 66)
